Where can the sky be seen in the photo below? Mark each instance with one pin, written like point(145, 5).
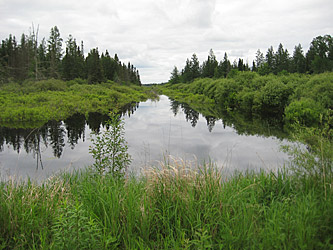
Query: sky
point(156, 35)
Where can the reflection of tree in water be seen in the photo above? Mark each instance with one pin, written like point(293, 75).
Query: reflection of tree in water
point(190, 114)
point(243, 123)
point(12, 137)
point(54, 132)
point(56, 135)
point(129, 109)
point(75, 127)
point(174, 106)
point(95, 120)
point(210, 122)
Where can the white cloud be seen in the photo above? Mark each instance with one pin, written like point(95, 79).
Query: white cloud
point(156, 35)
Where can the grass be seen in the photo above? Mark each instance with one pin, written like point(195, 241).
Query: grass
point(170, 207)
point(178, 206)
point(35, 103)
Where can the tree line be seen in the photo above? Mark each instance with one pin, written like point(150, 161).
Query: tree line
point(30, 59)
point(318, 59)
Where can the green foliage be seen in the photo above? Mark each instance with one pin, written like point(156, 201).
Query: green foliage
point(273, 97)
point(226, 92)
point(305, 111)
point(318, 59)
point(73, 228)
point(289, 98)
point(30, 60)
point(177, 206)
point(312, 151)
point(56, 100)
point(110, 149)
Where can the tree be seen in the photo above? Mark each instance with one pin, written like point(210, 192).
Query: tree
point(254, 68)
point(240, 66)
point(41, 60)
point(174, 76)
point(94, 68)
point(186, 72)
point(109, 66)
point(259, 58)
point(270, 59)
point(320, 54)
point(226, 66)
point(54, 52)
point(9, 58)
point(110, 149)
point(218, 73)
point(73, 61)
point(298, 60)
point(209, 66)
point(195, 67)
point(281, 60)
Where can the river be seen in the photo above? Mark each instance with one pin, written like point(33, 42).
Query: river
point(154, 131)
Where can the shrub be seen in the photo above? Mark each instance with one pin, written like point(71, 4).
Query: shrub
point(110, 149)
point(305, 111)
point(273, 97)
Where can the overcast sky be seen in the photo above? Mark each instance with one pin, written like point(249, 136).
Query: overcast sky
point(156, 35)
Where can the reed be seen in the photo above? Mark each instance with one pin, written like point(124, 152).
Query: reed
point(177, 205)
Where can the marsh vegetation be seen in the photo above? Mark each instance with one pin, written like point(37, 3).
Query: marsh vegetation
point(177, 204)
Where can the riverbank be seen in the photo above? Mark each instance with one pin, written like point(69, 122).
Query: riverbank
point(173, 207)
point(32, 104)
point(289, 98)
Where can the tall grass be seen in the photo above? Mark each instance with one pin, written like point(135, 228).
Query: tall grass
point(170, 207)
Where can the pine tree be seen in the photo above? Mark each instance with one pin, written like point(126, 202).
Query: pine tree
point(209, 66)
point(298, 60)
point(174, 76)
point(195, 67)
point(109, 66)
point(270, 60)
point(186, 72)
point(281, 59)
point(94, 68)
point(54, 52)
point(42, 60)
point(259, 58)
point(226, 65)
point(73, 61)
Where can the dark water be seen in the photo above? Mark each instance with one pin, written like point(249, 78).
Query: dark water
point(153, 131)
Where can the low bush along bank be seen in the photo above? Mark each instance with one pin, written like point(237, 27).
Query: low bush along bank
point(293, 97)
point(56, 100)
point(175, 206)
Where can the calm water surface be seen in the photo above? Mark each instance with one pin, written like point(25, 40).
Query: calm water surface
point(153, 131)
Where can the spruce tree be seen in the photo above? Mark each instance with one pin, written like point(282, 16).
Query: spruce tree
point(298, 60)
point(54, 52)
point(94, 68)
point(174, 76)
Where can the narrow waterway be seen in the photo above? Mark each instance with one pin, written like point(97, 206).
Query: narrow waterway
point(154, 130)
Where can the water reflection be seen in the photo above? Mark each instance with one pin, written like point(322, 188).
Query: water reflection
point(53, 133)
point(244, 124)
point(153, 129)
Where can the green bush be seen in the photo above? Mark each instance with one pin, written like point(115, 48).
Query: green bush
point(305, 111)
point(226, 92)
point(110, 149)
point(273, 97)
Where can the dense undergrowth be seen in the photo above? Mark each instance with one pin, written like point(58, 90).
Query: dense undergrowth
point(35, 103)
point(292, 98)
